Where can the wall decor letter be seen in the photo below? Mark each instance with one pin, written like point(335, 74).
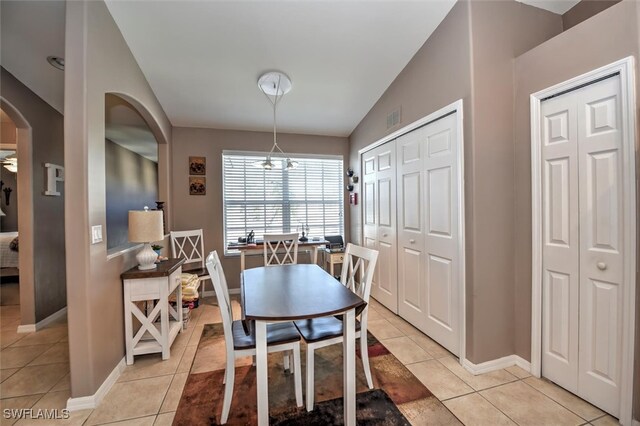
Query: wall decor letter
point(55, 174)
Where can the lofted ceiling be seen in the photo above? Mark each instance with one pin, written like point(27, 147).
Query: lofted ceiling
point(203, 59)
point(29, 32)
point(556, 6)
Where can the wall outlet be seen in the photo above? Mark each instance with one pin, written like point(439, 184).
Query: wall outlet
point(96, 234)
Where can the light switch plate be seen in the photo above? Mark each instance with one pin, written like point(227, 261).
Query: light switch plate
point(96, 234)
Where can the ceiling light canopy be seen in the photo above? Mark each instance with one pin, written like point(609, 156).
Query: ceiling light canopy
point(275, 85)
point(56, 62)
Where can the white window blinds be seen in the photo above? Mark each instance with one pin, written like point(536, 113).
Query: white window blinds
point(280, 201)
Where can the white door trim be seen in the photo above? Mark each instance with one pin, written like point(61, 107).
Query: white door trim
point(626, 69)
point(456, 107)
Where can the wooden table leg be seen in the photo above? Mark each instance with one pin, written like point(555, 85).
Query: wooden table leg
point(314, 255)
point(241, 260)
point(349, 368)
point(262, 378)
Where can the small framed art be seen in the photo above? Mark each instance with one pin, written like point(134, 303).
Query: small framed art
point(197, 165)
point(197, 185)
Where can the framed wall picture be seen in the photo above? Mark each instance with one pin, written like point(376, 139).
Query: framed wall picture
point(197, 185)
point(197, 165)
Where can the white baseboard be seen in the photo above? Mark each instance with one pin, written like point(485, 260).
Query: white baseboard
point(496, 364)
point(92, 401)
point(30, 328)
point(26, 328)
point(211, 293)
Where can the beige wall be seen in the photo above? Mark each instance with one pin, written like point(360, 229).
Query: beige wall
point(98, 61)
point(469, 57)
point(197, 211)
point(44, 217)
point(605, 38)
point(500, 31)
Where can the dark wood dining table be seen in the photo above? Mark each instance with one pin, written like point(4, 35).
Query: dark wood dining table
point(293, 292)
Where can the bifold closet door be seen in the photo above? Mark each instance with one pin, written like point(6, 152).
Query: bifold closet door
point(379, 216)
point(582, 242)
point(412, 282)
point(428, 234)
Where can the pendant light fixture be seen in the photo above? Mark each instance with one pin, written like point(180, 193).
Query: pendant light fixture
point(275, 85)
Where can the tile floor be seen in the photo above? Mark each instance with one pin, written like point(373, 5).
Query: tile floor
point(35, 375)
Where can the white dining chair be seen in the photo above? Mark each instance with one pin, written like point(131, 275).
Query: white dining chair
point(280, 249)
point(357, 272)
point(281, 337)
point(189, 245)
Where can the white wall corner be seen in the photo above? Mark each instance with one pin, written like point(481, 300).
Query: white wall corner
point(30, 328)
point(92, 401)
point(26, 328)
point(496, 364)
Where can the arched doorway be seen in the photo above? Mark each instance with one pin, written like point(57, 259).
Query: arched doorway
point(25, 223)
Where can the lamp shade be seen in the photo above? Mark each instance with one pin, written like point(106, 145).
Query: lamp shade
point(145, 226)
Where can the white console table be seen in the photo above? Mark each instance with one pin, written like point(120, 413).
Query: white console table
point(152, 287)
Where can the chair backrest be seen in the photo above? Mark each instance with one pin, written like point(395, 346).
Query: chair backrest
point(286, 243)
point(188, 245)
point(358, 261)
point(214, 267)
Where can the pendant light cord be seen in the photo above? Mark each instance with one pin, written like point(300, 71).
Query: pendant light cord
point(274, 102)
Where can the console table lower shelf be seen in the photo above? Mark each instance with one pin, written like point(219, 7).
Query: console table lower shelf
point(160, 322)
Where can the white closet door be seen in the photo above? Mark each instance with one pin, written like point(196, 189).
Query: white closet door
point(582, 242)
point(601, 237)
point(442, 236)
point(379, 216)
point(412, 295)
point(560, 260)
point(370, 222)
point(387, 285)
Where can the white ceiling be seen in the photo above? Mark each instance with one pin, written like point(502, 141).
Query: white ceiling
point(555, 6)
point(203, 59)
point(31, 31)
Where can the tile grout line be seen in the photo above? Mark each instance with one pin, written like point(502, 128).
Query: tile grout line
point(560, 404)
point(497, 408)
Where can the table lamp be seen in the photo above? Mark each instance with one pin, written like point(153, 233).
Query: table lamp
point(145, 226)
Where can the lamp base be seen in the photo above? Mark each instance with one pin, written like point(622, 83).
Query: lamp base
point(147, 258)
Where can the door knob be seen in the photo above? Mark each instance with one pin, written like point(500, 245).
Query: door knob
point(412, 241)
point(602, 266)
point(384, 235)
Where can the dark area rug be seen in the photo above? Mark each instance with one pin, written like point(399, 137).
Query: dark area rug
point(398, 397)
point(372, 408)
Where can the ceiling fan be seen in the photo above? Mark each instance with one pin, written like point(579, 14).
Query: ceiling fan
point(9, 159)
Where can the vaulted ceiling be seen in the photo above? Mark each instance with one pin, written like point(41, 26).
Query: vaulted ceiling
point(203, 58)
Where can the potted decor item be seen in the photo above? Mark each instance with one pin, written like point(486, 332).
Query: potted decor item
point(157, 248)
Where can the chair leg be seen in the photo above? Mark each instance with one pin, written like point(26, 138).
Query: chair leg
point(230, 374)
point(297, 371)
point(364, 353)
point(309, 382)
point(286, 361)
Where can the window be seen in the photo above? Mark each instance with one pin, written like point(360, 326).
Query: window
point(280, 201)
